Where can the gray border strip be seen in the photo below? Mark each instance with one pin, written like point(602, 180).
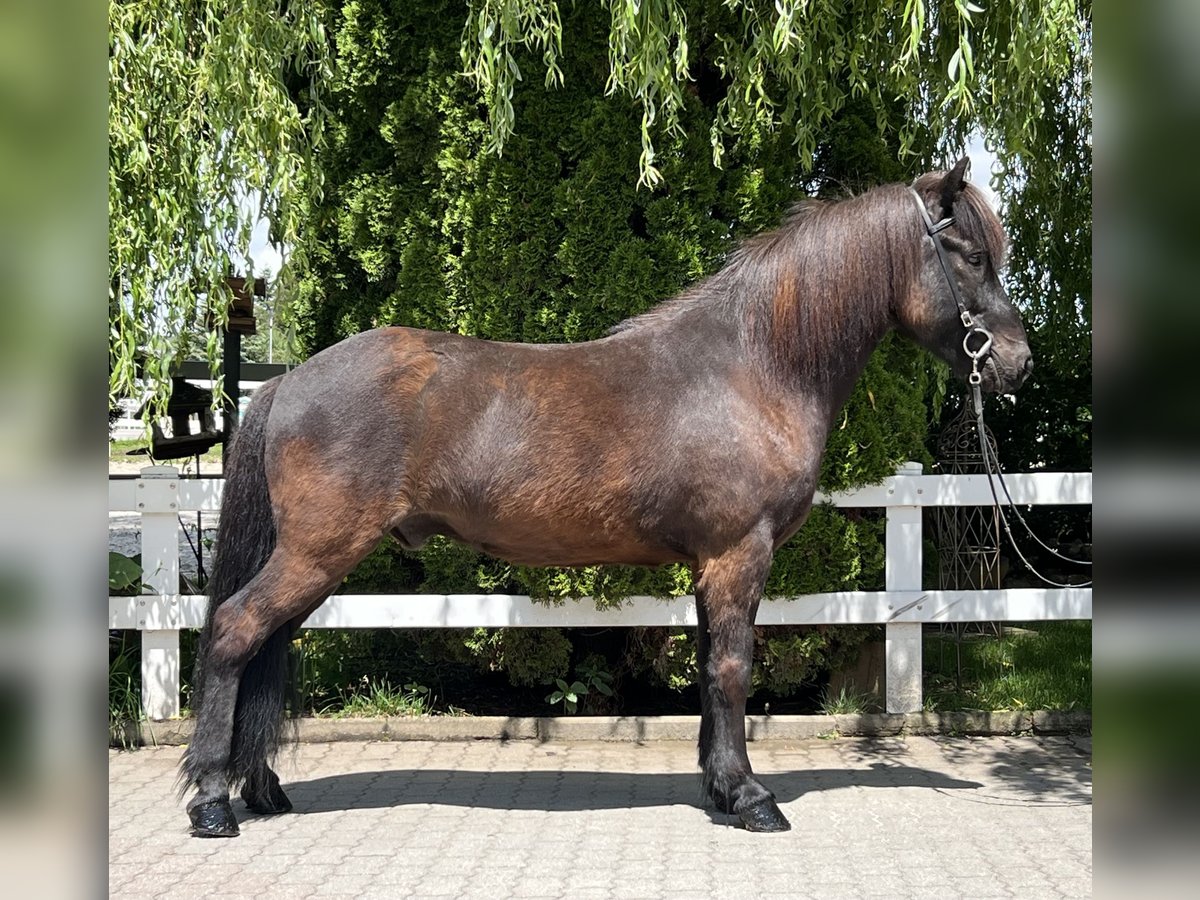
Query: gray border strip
point(647, 728)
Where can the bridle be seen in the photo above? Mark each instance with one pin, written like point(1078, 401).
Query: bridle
point(978, 355)
point(934, 230)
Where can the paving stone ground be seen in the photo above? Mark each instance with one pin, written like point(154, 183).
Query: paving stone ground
point(891, 817)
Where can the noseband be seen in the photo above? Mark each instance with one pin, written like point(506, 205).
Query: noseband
point(974, 329)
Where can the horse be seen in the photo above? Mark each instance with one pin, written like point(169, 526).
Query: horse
point(692, 433)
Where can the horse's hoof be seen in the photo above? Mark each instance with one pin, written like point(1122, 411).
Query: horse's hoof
point(269, 802)
point(764, 816)
point(213, 819)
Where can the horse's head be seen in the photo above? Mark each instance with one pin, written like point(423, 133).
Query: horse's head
point(968, 263)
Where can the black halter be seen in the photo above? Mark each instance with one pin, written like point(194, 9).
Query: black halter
point(980, 353)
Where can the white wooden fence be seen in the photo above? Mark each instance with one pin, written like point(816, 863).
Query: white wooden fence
point(160, 495)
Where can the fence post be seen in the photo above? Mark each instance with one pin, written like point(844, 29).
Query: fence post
point(903, 639)
point(158, 502)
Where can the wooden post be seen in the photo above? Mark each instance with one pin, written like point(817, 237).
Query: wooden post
point(157, 615)
point(903, 573)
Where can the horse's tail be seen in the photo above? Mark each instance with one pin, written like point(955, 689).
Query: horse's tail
point(245, 541)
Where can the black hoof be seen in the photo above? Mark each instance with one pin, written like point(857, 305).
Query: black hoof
point(764, 816)
point(267, 801)
point(213, 819)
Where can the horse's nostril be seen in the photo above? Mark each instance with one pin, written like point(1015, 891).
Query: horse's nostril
point(1028, 367)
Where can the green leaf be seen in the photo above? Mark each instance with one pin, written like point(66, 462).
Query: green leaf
point(955, 60)
point(123, 572)
point(200, 117)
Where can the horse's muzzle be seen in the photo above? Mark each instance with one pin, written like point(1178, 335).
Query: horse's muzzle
point(1001, 377)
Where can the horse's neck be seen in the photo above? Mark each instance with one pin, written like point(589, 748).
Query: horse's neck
point(845, 375)
point(724, 337)
point(829, 370)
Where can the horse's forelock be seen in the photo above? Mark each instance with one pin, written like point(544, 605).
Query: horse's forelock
point(978, 223)
point(974, 217)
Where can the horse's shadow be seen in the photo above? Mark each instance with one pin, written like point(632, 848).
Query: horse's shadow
point(559, 791)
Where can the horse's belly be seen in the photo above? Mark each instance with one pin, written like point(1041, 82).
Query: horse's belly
point(564, 543)
point(563, 555)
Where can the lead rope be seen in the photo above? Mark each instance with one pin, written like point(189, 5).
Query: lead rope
point(991, 466)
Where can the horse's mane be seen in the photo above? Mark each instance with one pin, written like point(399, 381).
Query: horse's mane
point(827, 279)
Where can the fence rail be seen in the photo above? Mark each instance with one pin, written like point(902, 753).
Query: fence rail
point(159, 495)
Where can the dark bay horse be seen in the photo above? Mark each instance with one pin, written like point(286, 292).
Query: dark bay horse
point(693, 433)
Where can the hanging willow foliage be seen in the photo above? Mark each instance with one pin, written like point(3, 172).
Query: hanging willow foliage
point(214, 112)
point(794, 63)
point(216, 102)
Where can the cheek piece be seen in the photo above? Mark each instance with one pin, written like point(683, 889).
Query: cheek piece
point(976, 334)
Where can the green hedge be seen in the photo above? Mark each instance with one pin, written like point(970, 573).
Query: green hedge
point(553, 242)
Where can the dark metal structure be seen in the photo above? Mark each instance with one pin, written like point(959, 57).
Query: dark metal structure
point(186, 400)
point(968, 537)
point(241, 321)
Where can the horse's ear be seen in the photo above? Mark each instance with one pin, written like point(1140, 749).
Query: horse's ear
point(953, 183)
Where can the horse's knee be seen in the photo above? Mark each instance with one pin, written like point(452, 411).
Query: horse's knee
point(732, 677)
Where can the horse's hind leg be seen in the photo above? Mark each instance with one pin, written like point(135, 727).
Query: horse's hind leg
point(263, 794)
point(261, 790)
point(291, 584)
point(257, 721)
point(727, 597)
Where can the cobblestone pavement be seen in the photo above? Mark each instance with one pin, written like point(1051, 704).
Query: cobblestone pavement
point(891, 817)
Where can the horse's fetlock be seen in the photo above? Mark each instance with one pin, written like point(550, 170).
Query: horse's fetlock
point(750, 793)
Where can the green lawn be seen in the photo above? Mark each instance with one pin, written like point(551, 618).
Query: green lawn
point(1044, 665)
point(118, 451)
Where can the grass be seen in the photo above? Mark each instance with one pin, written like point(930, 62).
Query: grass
point(118, 451)
point(380, 698)
point(846, 703)
point(124, 691)
point(1048, 666)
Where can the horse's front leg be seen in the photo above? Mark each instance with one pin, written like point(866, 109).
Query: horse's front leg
point(727, 595)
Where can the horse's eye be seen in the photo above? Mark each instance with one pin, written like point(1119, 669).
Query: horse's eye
point(975, 259)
